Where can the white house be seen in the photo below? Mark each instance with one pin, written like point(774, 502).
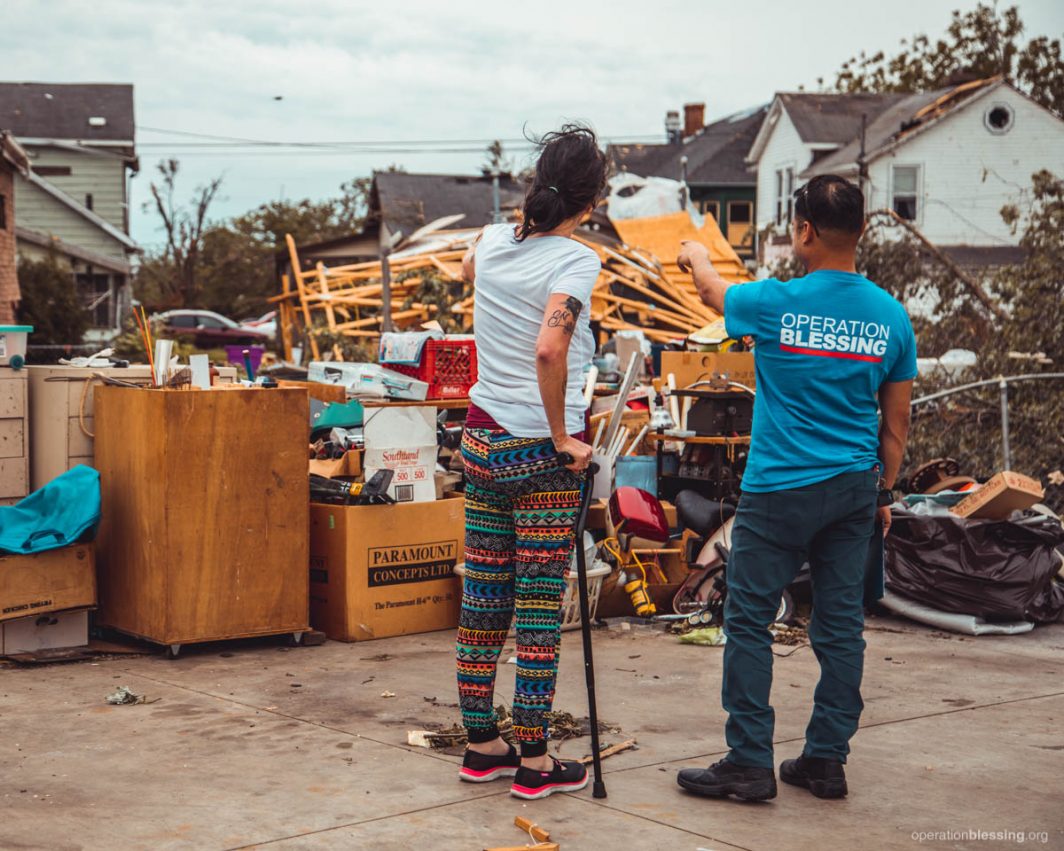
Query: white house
point(946, 160)
point(74, 200)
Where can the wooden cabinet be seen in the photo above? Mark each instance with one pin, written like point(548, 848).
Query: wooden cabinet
point(205, 515)
point(14, 436)
point(62, 414)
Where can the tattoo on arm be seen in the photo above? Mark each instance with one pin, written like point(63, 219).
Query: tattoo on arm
point(565, 318)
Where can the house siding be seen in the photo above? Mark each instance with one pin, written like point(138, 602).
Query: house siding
point(784, 149)
point(103, 175)
point(41, 212)
point(967, 174)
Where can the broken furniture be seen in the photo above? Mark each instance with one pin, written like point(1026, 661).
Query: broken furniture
point(14, 436)
point(205, 513)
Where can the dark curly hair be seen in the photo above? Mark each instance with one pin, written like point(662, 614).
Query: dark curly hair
point(570, 176)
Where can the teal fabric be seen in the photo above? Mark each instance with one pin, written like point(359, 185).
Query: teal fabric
point(63, 512)
point(831, 524)
point(825, 345)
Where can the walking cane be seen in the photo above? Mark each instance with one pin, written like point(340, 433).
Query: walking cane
point(598, 789)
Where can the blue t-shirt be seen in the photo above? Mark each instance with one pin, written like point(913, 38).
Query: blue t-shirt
point(825, 344)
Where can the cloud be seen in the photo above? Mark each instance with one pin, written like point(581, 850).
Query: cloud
point(422, 69)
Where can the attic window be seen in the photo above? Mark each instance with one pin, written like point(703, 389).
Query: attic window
point(97, 121)
point(999, 119)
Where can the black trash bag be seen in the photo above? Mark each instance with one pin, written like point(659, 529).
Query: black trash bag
point(995, 570)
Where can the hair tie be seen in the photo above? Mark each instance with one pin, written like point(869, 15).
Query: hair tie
point(554, 189)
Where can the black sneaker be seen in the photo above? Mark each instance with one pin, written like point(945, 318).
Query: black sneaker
point(825, 778)
point(564, 777)
point(726, 778)
point(480, 768)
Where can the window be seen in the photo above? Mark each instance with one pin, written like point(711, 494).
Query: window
point(3, 212)
point(999, 119)
point(784, 191)
point(740, 219)
point(88, 200)
point(905, 181)
point(180, 321)
point(95, 291)
point(740, 212)
point(710, 208)
point(209, 322)
point(52, 170)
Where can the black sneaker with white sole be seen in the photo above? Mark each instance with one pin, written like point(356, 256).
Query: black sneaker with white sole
point(825, 778)
point(563, 777)
point(745, 782)
point(480, 768)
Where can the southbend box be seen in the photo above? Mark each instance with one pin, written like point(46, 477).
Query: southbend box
point(381, 570)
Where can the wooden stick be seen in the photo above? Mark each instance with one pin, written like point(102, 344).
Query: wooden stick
point(532, 829)
point(610, 751)
point(598, 434)
point(638, 439)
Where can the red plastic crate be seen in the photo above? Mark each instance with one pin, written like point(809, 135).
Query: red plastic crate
point(448, 366)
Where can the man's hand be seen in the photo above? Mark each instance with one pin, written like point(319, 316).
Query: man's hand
point(692, 252)
point(580, 451)
point(884, 519)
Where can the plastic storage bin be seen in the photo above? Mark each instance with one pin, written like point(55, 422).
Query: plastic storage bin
point(13, 340)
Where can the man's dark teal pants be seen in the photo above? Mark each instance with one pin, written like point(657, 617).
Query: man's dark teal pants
point(830, 524)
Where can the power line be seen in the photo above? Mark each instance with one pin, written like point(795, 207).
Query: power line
point(399, 144)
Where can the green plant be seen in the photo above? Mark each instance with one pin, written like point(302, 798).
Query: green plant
point(50, 302)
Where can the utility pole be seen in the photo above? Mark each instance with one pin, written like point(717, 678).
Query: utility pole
point(496, 203)
point(862, 166)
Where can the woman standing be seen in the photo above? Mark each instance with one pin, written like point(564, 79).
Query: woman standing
point(534, 343)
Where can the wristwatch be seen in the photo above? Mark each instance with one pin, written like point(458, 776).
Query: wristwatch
point(885, 497)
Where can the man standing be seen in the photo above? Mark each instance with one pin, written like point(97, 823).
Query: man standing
point(831, 349)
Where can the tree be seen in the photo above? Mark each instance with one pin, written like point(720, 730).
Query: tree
point(981, 43)
point(175, 274)
point(495, 160)
point(50, 302)
point(229, 266)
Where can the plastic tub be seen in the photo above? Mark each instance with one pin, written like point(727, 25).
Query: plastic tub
point(13, 339)
point(638, 471)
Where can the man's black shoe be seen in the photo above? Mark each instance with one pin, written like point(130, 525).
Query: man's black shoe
point(726, 778)
point(825, 778)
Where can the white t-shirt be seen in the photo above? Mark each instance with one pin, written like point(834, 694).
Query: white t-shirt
point(513, 282)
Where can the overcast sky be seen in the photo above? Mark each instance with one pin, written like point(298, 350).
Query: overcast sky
point(411, 71)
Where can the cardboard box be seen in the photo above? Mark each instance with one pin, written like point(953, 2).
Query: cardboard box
point(53, 631)
point(998, 498)
point(347, 467)
point(689, 367)
point(403, 439)
point(47, 582)
point(381, 570)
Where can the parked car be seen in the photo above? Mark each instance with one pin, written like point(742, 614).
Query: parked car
point(207, 329)
point(265, 324)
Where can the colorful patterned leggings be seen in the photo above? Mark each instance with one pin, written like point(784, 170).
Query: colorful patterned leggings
point(521, 507)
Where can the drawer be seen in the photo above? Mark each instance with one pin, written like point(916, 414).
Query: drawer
point(12, 438)
point(14, 477)
point(12, 397)
point(79, 443)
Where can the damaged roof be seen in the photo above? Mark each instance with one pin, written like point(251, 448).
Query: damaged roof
point(405, 202)
point(85, 112)
point(715, 154)
point(898, 120)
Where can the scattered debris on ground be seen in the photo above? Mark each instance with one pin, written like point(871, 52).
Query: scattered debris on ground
point(125, 696)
